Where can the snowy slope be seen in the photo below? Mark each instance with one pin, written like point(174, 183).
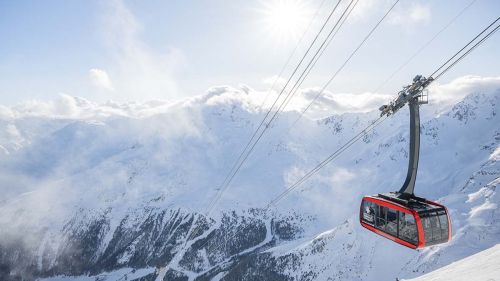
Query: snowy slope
point(484, 265)
point(109, 189)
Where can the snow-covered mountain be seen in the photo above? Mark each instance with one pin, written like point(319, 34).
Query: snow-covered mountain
point(481, 266)
point(110, 191)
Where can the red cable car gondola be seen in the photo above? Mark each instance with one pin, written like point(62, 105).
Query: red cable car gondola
point(401, 216)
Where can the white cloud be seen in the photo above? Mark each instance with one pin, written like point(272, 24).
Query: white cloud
point(5, 112)
point(364, 9)
point(332, 103)
point(275, 81)
point(445, 95)
point(100, 79)
point(139, 72)
point(441, 96)
point(249, 99)
point(420, 13)
point(63, 106)
point(412, 15)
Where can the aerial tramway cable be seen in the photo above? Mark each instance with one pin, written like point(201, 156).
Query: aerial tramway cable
point(345, 62)
point(251, 143)
point(329, 38)
point(292, 53)
point(468, 51)
point(323, 50)
point(356, 138)
point(242, 158)
point(330, 158)
point(448, 64)
point(373, 124)
point(334, 155)
point(423, 47)
point(376, 122)
point(280, 108)
point(359, 135)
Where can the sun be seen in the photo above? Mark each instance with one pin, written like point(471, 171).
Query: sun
point(286, 19)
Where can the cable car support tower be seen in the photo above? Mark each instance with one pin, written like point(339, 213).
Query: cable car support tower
point(414, 95)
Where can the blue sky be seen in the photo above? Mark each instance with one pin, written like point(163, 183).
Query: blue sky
point(141, 50)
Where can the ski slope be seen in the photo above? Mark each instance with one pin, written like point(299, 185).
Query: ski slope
point(484, 265)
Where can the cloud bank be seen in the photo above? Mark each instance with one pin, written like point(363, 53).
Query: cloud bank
point(441, 95)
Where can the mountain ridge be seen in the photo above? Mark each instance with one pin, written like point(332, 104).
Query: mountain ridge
point(109, 195)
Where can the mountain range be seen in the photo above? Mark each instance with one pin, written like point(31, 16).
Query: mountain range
point(109, 191)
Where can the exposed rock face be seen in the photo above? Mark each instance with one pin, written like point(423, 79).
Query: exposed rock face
point(151, 238)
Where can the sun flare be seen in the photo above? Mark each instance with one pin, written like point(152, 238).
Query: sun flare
point(286, 19)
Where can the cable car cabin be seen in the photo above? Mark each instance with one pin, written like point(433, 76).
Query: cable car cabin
point(416, 223)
